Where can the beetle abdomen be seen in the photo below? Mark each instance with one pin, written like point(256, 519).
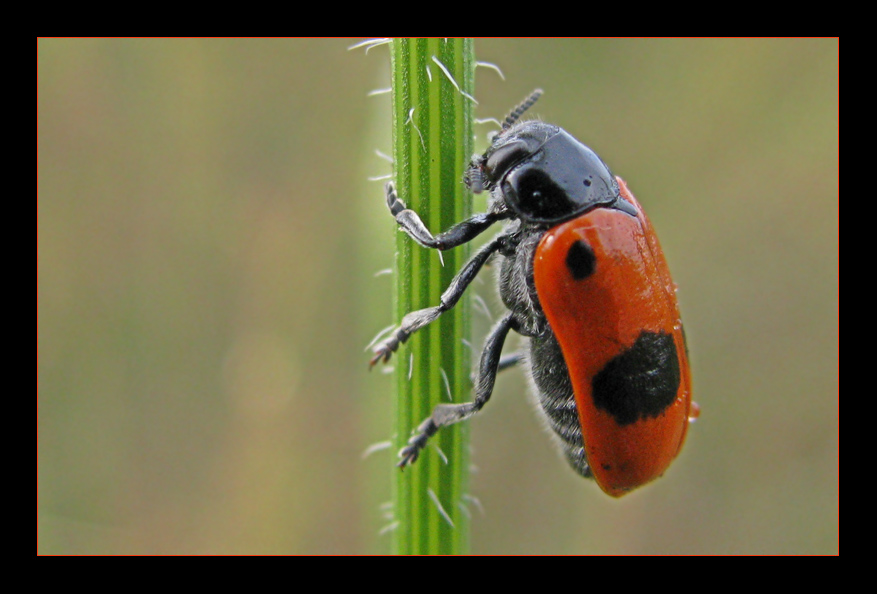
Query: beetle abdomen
point(554, 391)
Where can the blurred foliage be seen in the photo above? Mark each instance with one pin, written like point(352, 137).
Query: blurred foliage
point(207, 243)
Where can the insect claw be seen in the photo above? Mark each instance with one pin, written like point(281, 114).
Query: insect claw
point(380, 353)
point(408, 455)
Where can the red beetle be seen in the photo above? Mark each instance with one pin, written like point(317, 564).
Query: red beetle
point(584, 278)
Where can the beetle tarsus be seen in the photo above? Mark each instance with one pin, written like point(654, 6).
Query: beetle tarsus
point(385, 350)
point(410, 453)
point(394, 203)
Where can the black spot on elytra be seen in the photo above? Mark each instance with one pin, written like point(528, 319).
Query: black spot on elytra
point(580, 260)
point(641, 382)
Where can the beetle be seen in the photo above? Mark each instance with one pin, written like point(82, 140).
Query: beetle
point(584, 279)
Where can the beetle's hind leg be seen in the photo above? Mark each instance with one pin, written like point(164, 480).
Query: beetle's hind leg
point(448, 414)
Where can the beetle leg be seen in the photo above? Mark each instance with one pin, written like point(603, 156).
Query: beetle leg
point(504, 363)
point(448, 414)
point(418, 319)
point(508, 361)
point(462, 232)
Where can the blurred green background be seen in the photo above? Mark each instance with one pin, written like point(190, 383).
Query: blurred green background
point(207, 243)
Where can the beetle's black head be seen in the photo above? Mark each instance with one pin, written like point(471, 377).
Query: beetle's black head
point(542, 173)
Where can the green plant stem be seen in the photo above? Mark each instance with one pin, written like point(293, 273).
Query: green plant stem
point(432, 144)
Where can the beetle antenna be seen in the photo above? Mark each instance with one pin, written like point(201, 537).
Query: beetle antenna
point(520, 109)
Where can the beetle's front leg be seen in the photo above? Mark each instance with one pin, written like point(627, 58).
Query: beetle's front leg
point(412, 224)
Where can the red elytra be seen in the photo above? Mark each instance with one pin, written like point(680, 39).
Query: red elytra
point(627, 302)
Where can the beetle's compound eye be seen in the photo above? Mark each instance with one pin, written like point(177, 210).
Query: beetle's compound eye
point(505, 157)
point(512, 146)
